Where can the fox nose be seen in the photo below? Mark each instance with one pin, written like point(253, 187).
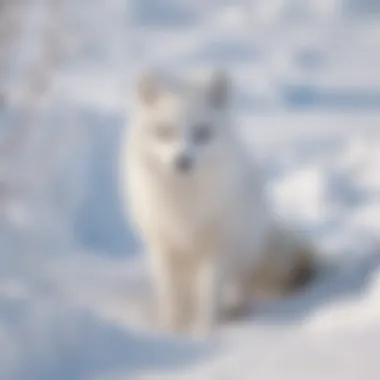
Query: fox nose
point(183, 163)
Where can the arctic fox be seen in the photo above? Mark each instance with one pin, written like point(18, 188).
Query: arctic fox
point(197, 202)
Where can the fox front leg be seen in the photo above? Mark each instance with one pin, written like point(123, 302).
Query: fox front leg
point(168, 290)
point(207, 296)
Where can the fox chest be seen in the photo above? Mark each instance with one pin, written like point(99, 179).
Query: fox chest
point(183, 217)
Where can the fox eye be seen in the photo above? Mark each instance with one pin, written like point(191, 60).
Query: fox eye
point(202, 133)
point(164, 132)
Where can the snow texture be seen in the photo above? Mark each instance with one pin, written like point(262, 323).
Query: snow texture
point(75, 292)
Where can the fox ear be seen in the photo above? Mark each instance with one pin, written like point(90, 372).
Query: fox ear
point(219, 89)
point(148, 88)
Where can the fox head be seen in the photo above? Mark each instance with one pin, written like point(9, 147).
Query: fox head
point(182, 125)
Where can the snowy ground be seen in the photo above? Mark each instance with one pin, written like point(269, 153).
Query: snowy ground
point(75, 296)
point(81, 315)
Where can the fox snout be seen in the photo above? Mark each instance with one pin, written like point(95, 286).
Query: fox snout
point(183, 163)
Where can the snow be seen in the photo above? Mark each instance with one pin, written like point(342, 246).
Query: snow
point(75, 291)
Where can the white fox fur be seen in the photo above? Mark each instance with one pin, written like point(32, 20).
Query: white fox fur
point(197, 202)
